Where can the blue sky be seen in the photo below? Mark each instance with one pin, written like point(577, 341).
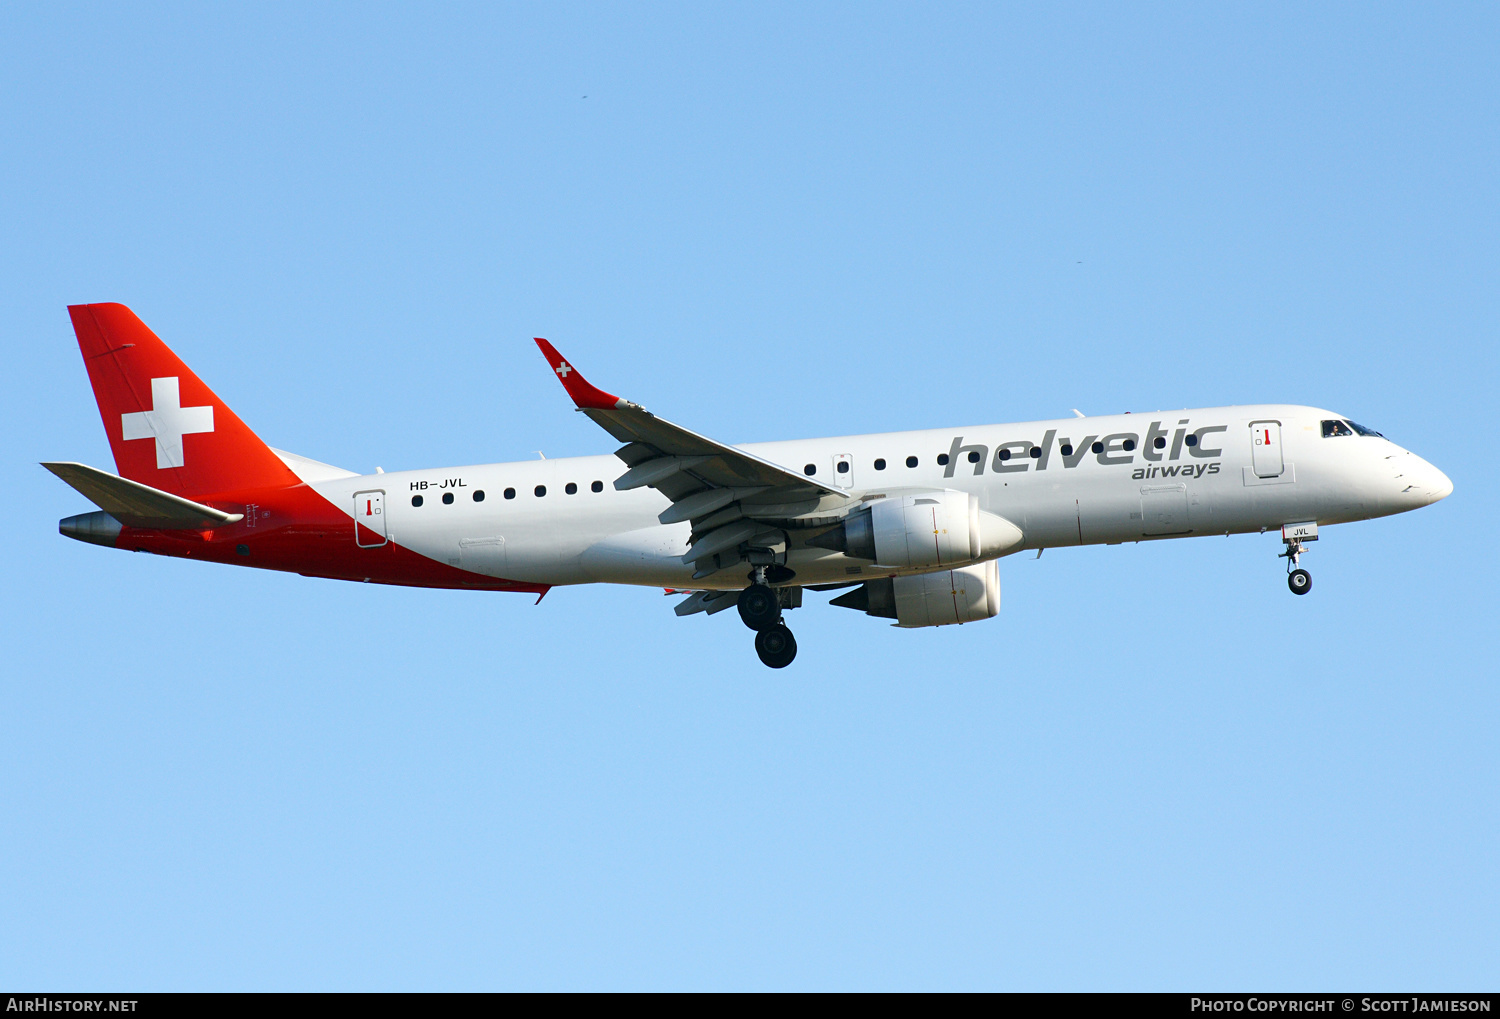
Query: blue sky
point(1155, 769)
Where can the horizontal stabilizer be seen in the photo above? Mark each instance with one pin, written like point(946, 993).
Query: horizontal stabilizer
point(138, 505)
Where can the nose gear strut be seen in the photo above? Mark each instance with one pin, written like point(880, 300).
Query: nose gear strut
point(1293, 535)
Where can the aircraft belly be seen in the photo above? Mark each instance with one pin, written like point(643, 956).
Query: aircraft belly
point(648, 556)
point(652, 557)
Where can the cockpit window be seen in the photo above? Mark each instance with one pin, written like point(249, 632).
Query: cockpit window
point(1335, 428)
point(1361, 429)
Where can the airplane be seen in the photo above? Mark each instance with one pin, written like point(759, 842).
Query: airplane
point(908, 525)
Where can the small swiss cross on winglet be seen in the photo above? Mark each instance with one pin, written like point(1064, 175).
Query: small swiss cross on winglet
point(583, 394)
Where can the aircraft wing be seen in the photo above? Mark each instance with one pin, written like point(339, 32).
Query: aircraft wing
point(732, 497)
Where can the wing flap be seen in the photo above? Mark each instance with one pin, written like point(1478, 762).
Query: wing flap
point(656, 470)
point(701, 504)
point(706, 601)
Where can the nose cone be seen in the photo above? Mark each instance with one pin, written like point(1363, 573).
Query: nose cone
point(1422, 483)
point(1436, 483)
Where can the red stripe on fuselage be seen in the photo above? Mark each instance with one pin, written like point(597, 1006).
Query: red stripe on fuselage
point(296, 530)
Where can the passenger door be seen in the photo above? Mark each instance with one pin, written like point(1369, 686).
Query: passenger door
point(1265, 449)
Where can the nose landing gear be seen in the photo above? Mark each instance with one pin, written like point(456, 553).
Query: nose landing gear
point(760, 609)
point(1293, 535)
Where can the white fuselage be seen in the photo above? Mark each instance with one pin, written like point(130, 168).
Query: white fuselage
point(1074, 481)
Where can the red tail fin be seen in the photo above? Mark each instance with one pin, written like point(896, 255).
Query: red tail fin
point(166, 428)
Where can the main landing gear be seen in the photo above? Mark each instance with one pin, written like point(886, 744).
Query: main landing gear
point(1298, 579)
point(760, 609)
point(776, 646)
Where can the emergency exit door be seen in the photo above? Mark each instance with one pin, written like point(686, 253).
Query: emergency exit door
point(843, 470)
point(1265, 449)
point(369, 519)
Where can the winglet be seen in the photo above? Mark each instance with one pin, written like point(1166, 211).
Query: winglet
point(583, 394)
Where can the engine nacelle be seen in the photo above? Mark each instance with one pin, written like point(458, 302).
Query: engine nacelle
point(926, 530)
point(941, 598)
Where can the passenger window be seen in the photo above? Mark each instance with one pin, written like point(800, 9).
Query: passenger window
point(479, 495)
point(447, 498)
point(911, 461)
point(942, 459)
point(843, 466)
point(880, 465)
point(571, 489)
point(1335, 428)
point(416, 500)
point(1191, 440)
point(1036, 452)
point(810, 470)
point(510, 493)
point(1066, 449)
point(974, 456)
point(541, 490)
point(1160, 443)
point(1097, 447)
point(1129, 444)
point(597, 486)
point(1003, 455)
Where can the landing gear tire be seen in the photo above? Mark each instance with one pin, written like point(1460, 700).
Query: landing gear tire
point(760, 608)
point(1300, 581)
point(776, 646)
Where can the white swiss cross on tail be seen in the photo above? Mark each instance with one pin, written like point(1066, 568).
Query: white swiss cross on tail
point(167, 422)
point(563, 369)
